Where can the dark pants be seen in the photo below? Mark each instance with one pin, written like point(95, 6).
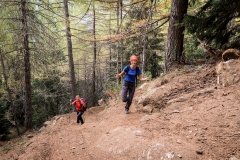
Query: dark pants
point(128, 93)
point(79, 117)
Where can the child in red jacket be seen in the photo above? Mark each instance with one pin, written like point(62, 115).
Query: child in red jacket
point(78, 106)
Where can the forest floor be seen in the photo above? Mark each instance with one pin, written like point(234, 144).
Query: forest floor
point(192, 119)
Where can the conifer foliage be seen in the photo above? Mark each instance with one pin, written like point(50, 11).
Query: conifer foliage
point(216, 23)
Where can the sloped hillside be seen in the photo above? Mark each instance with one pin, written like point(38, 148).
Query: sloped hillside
point(182, 115)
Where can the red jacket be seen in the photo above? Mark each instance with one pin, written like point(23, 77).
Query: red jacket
point(77, 104)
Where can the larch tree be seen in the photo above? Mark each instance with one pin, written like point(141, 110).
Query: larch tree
point(29, 52)
point(27, 66)
point(94, 54)
point(118, 27)
point(70, 51)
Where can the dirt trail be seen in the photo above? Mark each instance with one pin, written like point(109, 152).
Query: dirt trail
point(192, 119)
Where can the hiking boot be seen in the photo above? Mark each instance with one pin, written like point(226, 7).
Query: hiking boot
point(126, 110)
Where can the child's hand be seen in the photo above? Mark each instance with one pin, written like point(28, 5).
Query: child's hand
point(117, 76)
point(144, 79)
point(71, 100)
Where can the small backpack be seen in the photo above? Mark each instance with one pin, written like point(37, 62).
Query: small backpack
point(83, 103)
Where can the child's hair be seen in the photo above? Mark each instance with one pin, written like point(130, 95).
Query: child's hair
point(77, 97)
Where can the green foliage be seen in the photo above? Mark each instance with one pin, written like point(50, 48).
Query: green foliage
point(113, 87)
point(215, 23)
point(153, 65)
point(46, 53)
point(49, 98)
point(192, 49)
point(5, 124)
point(40, 115)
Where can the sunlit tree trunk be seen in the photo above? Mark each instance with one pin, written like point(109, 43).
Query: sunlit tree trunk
point(174, 50)
point(118, 41)
point(121, 21)
point(109, 66)
point(94, 55)
point(110, 43)
point(70, 52)
point(144, 51)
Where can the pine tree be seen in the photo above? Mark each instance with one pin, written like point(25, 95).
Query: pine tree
point(174, 53)
point(216, 23)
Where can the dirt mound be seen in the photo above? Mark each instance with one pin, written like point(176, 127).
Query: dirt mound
point(191, 118)
point(228, 72)
point(175, 87)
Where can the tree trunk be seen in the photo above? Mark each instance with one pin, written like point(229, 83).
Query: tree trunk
point(121, 21)
point(144, 50)
point(118, 41)
point(110, 45)
point(27, 67)
point(108, 74)
point(120, 47)
point(94, 55)
point(5, 77)
point(174, 53)
point(70, 53)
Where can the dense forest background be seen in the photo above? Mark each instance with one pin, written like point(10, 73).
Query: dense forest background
point(51, 50)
